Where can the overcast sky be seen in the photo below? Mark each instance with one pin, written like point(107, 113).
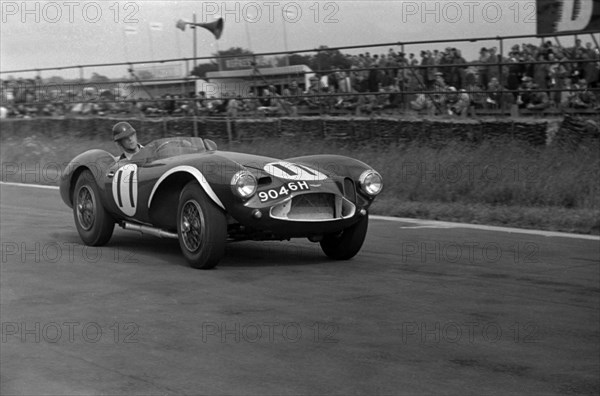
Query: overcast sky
point(63, 33)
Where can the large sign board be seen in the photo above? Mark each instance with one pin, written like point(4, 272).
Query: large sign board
point(158, 72)
point(568, 16)
point(245, 62)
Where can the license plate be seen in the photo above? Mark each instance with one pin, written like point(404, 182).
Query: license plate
point(279, 192)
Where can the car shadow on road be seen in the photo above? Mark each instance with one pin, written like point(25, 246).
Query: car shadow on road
point(139, 247)
point(272, 253)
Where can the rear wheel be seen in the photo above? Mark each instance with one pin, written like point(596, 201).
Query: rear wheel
point(345, 245)
point(201, 226)
point(94, 224)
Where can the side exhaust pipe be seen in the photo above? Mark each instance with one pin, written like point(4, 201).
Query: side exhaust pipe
point(148, 230)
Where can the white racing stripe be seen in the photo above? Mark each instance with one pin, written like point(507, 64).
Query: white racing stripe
point(418, 224)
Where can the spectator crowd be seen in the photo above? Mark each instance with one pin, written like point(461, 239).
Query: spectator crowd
point(436, 82)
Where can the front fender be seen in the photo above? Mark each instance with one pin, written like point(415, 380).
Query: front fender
point(193, 171)
point(96, 161)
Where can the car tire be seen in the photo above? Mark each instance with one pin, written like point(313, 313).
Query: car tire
point(94, 224)
point(201, 227)
point(345, 245)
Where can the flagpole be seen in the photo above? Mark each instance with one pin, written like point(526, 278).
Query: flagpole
point(248, 36)
point(285, 43)
point(194, 27)
point(178, 44)
point(125, 44)
point(285, 47)
point(218, 54)
point(150, 41)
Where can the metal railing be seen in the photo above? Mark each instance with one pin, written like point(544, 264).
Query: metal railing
point(37, 96)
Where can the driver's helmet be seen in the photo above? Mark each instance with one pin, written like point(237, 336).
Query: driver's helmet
point(122, 130)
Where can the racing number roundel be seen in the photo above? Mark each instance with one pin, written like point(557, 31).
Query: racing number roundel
point(289, 171)
point(125, 188)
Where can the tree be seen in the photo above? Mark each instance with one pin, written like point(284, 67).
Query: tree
point(235, 51)
point(232, 52)
point(296, 59)
point(280, 61)
point(201, 69)
point(99, 78)
point(55, 80)
point(325, 59)
point(145, 75)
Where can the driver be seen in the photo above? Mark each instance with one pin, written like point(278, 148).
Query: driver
point(126, 138)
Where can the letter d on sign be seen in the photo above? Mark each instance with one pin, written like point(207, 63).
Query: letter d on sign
point(569, 21)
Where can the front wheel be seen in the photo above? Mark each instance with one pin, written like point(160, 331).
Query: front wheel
point(347, 244)
point(201, 227)
point(94, 224)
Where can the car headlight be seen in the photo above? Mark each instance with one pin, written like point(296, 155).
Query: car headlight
point(371, 182)
point(243, 184)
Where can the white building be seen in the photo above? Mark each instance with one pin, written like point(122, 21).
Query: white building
point(244, 81)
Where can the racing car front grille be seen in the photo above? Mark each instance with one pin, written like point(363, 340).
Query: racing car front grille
point(349, 189)
point(314, 207)
point(264, 181)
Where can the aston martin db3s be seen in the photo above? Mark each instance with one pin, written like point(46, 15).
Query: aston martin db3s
point(185, 188)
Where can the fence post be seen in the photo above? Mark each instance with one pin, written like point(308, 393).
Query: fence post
point(229, 133)
point(194, 111)
point(500, 79)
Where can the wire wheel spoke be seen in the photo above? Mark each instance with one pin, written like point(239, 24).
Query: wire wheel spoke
point(86, 208)
point(192, 225)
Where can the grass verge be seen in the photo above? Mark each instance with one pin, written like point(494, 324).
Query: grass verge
point(496, 183)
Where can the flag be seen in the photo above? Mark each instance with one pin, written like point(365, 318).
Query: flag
point(158, 26)
point(131, 30)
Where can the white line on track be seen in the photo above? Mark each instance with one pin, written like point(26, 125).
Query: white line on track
point(29, 185)
point(445, 224)
point(417, 222)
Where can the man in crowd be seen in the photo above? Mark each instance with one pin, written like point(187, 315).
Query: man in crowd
point(458, 102)
point(439, 97)
point(583, 99)
point(294, 98)
point(428, 71)
point(484, 72)
point(531, 97)
point(515, 70)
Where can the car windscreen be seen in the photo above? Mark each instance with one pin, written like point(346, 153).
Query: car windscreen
point(170, 147)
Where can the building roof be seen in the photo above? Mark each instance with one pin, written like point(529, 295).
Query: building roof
point(265, 71)
point(168, 82)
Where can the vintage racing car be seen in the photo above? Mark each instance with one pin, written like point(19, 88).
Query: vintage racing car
point(185, 188)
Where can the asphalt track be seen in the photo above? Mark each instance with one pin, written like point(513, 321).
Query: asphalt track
point(425, 308)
